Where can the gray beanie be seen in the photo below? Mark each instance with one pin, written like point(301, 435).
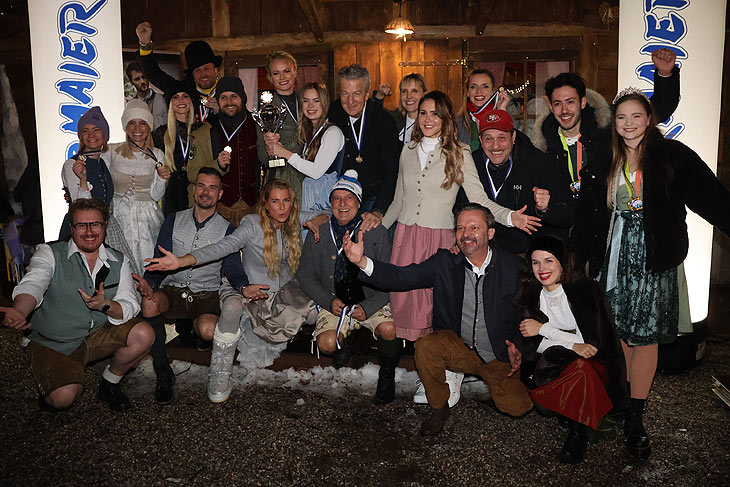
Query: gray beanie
point(94, 117)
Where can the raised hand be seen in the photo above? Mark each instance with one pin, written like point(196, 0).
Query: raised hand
point(144, 33)
point(224, 158)
point(664, 60)
point(79, 169)
point(526, 223)
point(212, 103)
point(163, 171)
point(354, 250)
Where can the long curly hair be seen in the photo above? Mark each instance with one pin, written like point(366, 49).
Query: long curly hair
point(171, 132)
point(291, 231)
point(450, 147)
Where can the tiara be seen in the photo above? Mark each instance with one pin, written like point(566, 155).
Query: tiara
point(629, 91)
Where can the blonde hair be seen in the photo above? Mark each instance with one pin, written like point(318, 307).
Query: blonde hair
point(464, 112)
point(453, 170)
point(306, 127)
point(416, 78)
point(126, 150)
point(279, 55)
point(290, 230)
point(171, 133)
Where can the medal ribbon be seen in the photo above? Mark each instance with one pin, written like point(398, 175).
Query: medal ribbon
point(184, 148)
point(358, 138)
point(579, 153)
point(306, 144)
point(147, 152)
point(286, 105)
point(345, 314)
point(634, 189)
point(495, 191)
point(228, 138)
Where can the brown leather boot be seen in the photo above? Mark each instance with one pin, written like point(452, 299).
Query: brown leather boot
point(435, 422)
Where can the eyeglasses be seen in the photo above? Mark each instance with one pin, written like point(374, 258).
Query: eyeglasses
point(94, 226)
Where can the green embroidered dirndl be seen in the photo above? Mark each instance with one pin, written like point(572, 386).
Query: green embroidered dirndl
point(646, 306)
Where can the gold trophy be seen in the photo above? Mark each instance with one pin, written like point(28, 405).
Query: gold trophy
point(270, 118)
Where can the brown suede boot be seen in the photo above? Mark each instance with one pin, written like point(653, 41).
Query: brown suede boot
point(435, 422)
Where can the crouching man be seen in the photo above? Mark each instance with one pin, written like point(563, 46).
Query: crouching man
point(330, 280)
point(474, 317)
point(82, 299)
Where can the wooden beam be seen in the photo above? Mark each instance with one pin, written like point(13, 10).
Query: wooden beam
point(310, 12)
point(221, 18)
point(486, 7)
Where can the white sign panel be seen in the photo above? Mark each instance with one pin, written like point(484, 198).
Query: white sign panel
point(76, 49)
point(695, 30)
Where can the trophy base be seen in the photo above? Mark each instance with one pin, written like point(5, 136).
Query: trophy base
point(280, 162)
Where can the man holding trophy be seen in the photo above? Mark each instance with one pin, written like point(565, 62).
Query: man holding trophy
point(229, 145)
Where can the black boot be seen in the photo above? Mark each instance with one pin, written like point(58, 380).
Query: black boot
point(637, 441)
point(160, 362)
point(576, 443)
point(388, 356)
point(112, 395)
point(342, 356)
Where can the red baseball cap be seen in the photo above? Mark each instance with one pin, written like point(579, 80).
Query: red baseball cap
point(496, 119)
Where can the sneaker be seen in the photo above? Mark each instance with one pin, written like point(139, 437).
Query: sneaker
point(420, 396)
point(454, 380)
point(163, 390)
point(112, 395)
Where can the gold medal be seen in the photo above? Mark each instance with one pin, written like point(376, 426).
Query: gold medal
point(358, 159)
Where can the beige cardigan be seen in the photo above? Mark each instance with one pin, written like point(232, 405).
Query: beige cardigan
point(420, 199)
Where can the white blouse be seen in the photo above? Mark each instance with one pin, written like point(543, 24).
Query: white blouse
point(561, 328)
point(332, 143)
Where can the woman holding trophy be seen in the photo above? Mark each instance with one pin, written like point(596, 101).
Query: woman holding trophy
point(322, 151)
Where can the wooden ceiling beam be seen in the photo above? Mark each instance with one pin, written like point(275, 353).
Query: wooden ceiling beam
point(486, 8)
point(221, 18)
point(423, 32)
point(312, 16)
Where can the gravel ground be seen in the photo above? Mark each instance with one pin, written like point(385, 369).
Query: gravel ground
point(262, 436)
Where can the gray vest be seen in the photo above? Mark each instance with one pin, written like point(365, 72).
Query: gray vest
point(473, 327)
point(185, 239)
point(63, 320)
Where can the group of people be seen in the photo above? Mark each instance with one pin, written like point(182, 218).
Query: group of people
point(551, 267)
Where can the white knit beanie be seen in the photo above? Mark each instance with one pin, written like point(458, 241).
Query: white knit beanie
point(136, 109)
point(349, 182)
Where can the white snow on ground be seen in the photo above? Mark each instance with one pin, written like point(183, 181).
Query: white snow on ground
point(319, 380)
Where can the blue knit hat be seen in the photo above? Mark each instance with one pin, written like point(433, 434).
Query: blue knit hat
point(349, 182)
point(94, 117)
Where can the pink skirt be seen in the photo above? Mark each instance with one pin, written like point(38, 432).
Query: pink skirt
point(413, 310)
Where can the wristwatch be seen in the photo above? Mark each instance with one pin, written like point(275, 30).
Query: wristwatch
point(106, 308)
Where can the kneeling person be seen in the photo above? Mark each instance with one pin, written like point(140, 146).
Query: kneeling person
point(330, 280)
point(81, 296)
point(190, 293)
point(474, 317)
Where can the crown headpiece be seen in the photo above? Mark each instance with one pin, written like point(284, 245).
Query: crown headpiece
point(629, 91)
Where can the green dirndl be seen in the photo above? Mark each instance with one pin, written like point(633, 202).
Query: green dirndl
point(647, 307)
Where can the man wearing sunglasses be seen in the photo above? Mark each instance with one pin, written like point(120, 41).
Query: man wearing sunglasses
point(77, 305)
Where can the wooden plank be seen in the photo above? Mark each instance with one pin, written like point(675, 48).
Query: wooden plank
point(245, 17)
point(437, 77)
point(312, 16)
point(455, 85)
point(536, 44)
point(344, 55)
point(221, 18)
point(368, 56)
point(413, 51)
point(587, 65)
point(198, 18)
point(486, 8)
point(390, 55)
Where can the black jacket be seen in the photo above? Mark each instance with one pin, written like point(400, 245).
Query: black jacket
point(530, 168)
point(380, 151)
point(595, 126)
point(444, 272)
point(595, 322)
point(673, 176)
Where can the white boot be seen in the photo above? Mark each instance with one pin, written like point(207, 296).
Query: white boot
point(221, 365)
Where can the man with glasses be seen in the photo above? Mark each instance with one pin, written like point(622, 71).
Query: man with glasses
point(78, 305)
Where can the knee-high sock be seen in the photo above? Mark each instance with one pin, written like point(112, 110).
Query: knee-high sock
point(160, 362)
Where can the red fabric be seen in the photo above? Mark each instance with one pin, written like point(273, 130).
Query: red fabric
point(495, 119)
point(578, 393)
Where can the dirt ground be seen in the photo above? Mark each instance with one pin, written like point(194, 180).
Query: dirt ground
point(263, 437)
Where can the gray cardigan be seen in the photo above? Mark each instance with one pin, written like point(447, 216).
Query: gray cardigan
point(318, 263)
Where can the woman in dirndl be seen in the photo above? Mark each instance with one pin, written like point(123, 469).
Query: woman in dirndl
point(573, 363)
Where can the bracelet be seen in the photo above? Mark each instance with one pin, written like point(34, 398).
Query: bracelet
point(145, 47)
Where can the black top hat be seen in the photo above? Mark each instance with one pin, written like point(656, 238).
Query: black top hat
point(198, 53)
